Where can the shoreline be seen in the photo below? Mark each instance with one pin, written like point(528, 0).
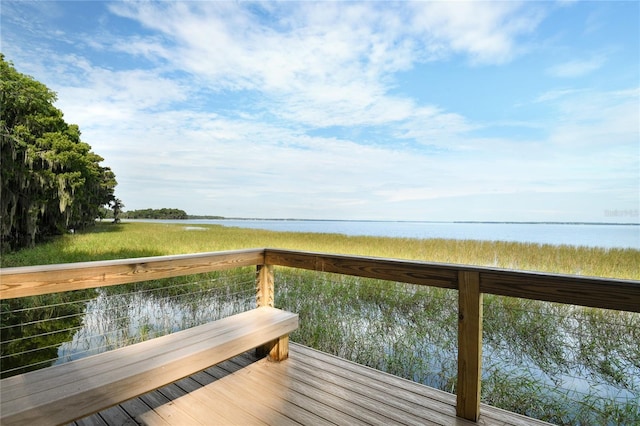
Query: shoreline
point(603, 235)
point(479, 222)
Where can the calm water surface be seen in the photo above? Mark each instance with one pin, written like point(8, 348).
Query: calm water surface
point(590, 235)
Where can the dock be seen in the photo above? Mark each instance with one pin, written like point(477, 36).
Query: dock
point(166, 383)
point(309, 388)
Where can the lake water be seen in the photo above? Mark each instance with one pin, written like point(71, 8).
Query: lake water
point(590, 235)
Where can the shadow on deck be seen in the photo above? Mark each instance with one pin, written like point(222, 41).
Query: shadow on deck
point(310, 388)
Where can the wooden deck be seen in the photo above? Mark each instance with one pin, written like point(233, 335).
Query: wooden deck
point(310, 388)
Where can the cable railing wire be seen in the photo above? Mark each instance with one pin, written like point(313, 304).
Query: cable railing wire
point(424, 325)
point(105, 310)
point(116, 318)
point(140, 290)
point(82, 314)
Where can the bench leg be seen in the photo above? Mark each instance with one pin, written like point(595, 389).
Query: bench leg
point(276, 350)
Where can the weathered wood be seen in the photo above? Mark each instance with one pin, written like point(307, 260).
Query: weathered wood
point(471, 281)
point(262, 392)
point(279, 399)
point(438, 406)
point(64, 392)
point(277, 349)
point(469, 345)
point(44, 279)
point(135, 408)
point(606, 293)
point(283, 388)
point(265, 286)
point(412, 272)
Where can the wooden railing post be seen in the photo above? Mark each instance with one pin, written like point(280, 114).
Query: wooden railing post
point(469, 345)
point(278, 349)
point(264, 285)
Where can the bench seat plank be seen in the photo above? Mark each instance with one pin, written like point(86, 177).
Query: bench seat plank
point(73, 390)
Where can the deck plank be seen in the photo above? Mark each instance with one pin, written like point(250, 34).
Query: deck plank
point(136, 407)
point(328, 407)
point(310, 388)
point(352, 398)
point(273, 397)
point(410, 396)
point(386, 399)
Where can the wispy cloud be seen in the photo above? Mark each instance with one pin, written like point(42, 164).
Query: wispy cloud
point(487, 34)
point(577, 67)
point(556, 94)
point(326, 63)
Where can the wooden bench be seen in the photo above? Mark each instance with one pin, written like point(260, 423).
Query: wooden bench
point(66, 392)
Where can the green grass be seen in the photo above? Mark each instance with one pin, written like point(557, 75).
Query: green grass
point(109, 241)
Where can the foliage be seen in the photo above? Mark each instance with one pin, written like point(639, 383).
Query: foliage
point(163, 213)
point(561, 363)
point(117, 206)
point(51, 180)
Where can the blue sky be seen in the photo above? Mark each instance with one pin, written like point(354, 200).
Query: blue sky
point(516, 111)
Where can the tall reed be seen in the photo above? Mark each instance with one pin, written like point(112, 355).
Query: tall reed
point(114, 241)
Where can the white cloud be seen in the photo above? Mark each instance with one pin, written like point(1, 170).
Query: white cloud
point(605, 119)
point(326, 63)
point(280, 74)
point(577, 67)
point(555, 94)
point(486, 32)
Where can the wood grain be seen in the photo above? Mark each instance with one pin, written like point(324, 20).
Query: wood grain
point(412, 272)
point(230, 392)
point(45, 279)
point(265, 286)
point(62, 393)
point(584, 291)
point(469, 346)
point(622, 295)
point(607, 293)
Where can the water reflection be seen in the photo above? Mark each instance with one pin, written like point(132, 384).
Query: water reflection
point(117, 320)
point(41, 331)
point(33, 328)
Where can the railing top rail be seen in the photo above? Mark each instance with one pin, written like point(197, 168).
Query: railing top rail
point(605, 293)
point(44, 279)
point(401, 270)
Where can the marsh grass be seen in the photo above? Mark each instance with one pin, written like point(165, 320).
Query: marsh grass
point(561, 363)
point(111, 241)
point(406, 330)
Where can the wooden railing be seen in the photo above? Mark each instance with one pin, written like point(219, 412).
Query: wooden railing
point(471, 283)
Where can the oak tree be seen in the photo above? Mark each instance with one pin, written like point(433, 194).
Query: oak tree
point(51, 180)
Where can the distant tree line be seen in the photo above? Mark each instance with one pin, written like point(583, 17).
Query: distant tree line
point(155, 214)
point(51, 181)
